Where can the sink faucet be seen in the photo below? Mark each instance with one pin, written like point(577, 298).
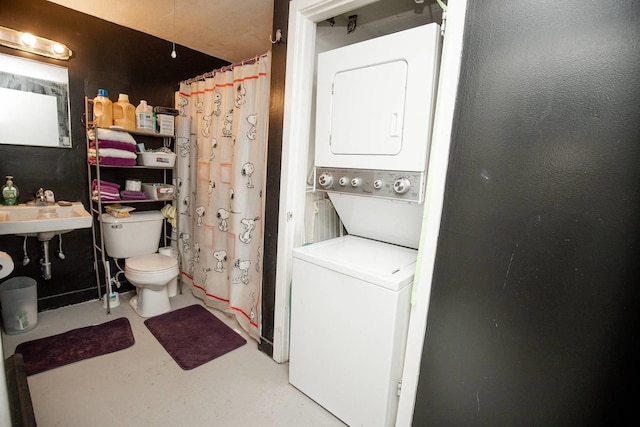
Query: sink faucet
point(40, 198)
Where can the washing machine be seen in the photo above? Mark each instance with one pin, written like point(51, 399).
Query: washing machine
point(351, 295)
point(349, 319)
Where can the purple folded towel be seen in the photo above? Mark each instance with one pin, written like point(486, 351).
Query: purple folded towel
point(113, 161)
point(114, 144)
point(133, 195)
point(106, 198)
point(94, 184)
point(104, 193)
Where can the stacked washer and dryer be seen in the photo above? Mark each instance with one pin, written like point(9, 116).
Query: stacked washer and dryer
point(350, 296)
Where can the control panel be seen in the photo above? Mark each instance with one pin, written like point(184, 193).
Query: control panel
point(395, 185)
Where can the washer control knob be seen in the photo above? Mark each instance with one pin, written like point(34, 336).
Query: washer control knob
point(343, 181)
point(325, 180)
point(401, 185)
point(377, 184)
point(355, 182)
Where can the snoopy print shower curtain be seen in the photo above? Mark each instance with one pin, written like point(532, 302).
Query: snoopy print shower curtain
point(222, 146)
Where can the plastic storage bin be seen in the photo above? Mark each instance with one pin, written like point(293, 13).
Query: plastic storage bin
point(19, 299)
point(157, 159)
point(165, 124)
point(158, 191)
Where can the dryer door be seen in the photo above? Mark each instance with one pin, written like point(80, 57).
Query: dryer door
point(374, 105)
point(367, 109)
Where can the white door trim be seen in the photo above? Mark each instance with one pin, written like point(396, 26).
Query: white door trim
point(301, 60)
point(434, 200)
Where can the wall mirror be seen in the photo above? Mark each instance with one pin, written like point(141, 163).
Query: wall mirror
point(34, 103)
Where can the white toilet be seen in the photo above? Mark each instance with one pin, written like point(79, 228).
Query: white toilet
point(136, 239)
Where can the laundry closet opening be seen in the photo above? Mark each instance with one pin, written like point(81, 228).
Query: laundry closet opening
point(369, 148)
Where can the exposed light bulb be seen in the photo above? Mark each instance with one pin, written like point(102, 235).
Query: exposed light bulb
point(173, 52)
point(28, 39)
point(57, 48)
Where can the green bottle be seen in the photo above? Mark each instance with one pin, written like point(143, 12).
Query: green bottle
point(10, 193)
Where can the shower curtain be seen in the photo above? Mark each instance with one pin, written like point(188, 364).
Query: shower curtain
point(221, 142)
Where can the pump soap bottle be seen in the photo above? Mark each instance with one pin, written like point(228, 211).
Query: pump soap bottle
point(10, 192)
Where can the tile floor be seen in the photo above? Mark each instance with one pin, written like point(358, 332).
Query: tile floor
point(143, 386)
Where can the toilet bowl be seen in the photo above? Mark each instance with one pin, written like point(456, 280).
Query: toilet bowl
point(173, 284)
point(136, 240)
point(151, 275)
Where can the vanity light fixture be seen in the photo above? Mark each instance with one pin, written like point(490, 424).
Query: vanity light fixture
point(34, 44)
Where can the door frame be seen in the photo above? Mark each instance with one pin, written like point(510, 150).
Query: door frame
point(303, 17)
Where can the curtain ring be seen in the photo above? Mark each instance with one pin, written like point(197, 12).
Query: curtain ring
point(278, 37)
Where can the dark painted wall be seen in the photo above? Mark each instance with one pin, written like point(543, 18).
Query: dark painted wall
point(534, 311)
point(105, 56)
point(274, 159)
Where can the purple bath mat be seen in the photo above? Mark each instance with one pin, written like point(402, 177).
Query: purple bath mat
point(78, 344)
point(193, 335)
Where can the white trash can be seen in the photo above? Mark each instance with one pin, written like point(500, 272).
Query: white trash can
point(19, 301)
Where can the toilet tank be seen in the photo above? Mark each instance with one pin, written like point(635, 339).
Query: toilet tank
point(138, 234)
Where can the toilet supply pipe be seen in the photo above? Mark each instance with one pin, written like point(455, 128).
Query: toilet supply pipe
point(110, 298)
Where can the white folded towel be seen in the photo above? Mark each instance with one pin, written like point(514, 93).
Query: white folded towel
point(111, 135)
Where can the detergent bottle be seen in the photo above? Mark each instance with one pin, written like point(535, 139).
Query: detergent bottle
point(144, 117)
point(102, 109)
point(124, 114)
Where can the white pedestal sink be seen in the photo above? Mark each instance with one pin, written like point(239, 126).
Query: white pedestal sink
point(43, 222)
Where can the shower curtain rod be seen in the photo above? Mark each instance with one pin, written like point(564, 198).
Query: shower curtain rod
point(225, 68)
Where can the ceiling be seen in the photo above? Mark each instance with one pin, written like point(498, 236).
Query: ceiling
point(227, 29)
point(234, 30)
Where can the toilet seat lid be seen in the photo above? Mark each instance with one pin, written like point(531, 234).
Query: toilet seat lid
point(155, 263)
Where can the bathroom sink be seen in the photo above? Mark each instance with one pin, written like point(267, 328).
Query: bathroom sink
point(43, 222)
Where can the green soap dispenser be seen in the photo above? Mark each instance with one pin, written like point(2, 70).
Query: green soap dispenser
point(10, 192)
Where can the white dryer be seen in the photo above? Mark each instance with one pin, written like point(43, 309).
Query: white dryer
point(374, 117)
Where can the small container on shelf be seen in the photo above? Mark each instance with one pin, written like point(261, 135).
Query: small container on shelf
point(165, 124)
point(159, 159)
point(132, 184)
point(157, 191)
point(165, 120)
